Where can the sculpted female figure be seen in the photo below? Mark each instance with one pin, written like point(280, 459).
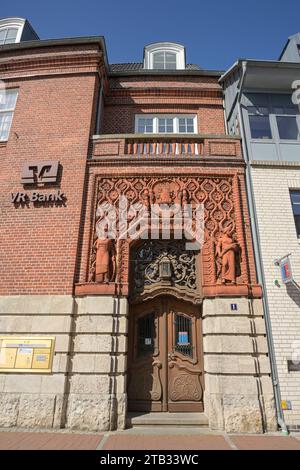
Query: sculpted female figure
point(229, 252)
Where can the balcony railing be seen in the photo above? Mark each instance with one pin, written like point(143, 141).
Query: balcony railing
point(165, 146)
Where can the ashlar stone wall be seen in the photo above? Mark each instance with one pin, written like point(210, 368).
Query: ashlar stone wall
point(238, 388)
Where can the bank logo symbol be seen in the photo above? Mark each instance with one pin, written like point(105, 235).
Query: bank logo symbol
point(40, 172)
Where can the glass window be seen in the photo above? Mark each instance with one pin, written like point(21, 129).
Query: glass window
point(2, 35)
point(145, 125)
point(165, 125)
point(146, 334)
point(287, 127)
point(164, 60)
point(295, 198)
point(159, 60)
point(170, 61)
point(7, 105)
point(8, 36)
point(289, 110)
point(186, 125)
point(260, 127)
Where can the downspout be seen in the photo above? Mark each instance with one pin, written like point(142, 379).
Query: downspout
point(258, 261)
point(99, 110)
point(225, 119)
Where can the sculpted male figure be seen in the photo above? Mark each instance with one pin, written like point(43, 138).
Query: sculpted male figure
point(228, 250)
point(105, 260)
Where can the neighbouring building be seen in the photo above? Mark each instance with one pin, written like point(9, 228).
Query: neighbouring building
point(95, 322)
point(262, 105)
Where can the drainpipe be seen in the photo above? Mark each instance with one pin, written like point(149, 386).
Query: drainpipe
point(258, 261)
point(99, 113)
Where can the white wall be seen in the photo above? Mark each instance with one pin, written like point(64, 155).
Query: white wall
point(278, 237)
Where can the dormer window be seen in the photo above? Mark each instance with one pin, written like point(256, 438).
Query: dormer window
point(8, 35)
point(164, 56)
point(14, 30)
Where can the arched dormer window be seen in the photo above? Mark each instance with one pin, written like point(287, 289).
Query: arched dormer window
point(164, 56)
point(14, 30)
point(8, 35)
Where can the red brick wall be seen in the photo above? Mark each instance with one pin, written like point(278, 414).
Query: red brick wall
point(119, 119)
point(195, 95)
point(42, 248)
point(52, 120)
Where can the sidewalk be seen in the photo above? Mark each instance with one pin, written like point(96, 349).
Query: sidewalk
point(144, 439)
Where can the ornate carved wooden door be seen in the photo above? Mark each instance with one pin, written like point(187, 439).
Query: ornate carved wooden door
point(165, 370)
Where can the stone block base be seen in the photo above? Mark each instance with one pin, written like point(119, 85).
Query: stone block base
point(239, 395)
point(30, 410)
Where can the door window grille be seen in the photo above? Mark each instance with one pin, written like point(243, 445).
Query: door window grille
point(183, 335)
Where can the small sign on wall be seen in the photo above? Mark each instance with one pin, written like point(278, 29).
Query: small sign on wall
point(233, 307)
point(286, 404)
point(183, 338)
point(293, 366)
point(30, 355)
point(286, 271)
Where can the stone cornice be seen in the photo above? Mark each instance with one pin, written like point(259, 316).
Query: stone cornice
point(173, 136)
point(275, 164)
point(78, 60)
point(166, 91)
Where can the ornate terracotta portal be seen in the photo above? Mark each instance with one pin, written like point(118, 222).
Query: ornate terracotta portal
point(224, 266)
point(165, 281)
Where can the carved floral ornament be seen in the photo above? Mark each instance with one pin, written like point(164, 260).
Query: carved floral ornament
point(223, 259)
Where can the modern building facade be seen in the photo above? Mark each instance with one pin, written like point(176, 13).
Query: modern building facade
point(262, 105)
point(97, 322)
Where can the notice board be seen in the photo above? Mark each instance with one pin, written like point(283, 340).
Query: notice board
point(26, 354)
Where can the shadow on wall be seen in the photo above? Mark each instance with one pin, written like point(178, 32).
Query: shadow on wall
point(293, 290)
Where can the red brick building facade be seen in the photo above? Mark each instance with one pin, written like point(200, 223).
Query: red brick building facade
point(116, 350)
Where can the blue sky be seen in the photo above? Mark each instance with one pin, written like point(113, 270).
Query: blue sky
point(215, 32)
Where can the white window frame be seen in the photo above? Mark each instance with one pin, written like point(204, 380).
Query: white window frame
point(9, 110)
point(177, 49)
point(175, 118)
point(17, 23)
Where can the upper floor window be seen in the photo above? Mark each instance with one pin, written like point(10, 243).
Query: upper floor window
point(8, 35)
point(272, 121)
point(259, 122)
point(8, 100)
point(164, 56)
point(166, 124)
point(295, 198)
point(145, 126)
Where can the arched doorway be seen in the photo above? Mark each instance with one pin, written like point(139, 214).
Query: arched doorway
point(165, 359)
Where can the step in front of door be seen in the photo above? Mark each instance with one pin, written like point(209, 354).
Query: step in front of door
point(167, 419)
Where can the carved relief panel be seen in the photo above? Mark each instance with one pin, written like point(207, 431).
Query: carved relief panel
point(164, 266)
point(223, 254)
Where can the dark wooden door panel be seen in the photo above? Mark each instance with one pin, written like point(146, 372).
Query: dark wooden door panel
point(185, 369)
point(165, 369)
point(145, 390)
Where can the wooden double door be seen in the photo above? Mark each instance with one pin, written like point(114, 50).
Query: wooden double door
point(165, 361)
